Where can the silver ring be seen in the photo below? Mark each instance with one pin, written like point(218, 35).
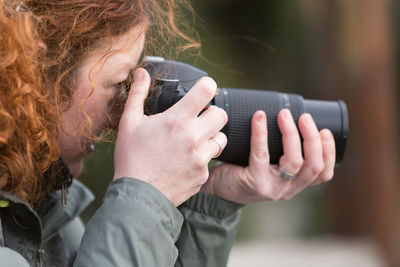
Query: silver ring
point(220, 146)
point(286, 175)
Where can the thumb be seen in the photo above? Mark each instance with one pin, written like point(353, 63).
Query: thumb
point(138, 92)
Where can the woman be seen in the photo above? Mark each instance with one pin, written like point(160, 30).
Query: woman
point(163, 207)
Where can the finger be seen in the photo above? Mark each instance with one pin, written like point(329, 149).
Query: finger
point(329, 154)
point(313, 158)
point(212, 120)
point(217, 145)
point(292, 159)
point(259, 154)
point(196, 99)
point(138, 92)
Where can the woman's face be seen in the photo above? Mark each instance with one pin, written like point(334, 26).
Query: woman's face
point(103, 71)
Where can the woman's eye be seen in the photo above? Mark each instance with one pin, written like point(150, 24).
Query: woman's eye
point(125, 84)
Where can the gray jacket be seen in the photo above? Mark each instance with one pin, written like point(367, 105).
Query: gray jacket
point(135, 226)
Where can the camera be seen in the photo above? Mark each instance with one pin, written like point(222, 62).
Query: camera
point(171, 80)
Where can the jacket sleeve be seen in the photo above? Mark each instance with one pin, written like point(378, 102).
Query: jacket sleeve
point(135, 226)
point(208, 231)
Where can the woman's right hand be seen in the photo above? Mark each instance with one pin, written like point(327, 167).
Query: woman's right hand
point(169, 150)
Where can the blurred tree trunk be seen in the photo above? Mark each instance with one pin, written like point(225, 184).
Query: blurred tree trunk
point(352, 58)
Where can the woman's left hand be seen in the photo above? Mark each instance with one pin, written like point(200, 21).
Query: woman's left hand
point(261, 181)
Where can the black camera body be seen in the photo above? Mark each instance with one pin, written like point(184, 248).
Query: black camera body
point(174, 79)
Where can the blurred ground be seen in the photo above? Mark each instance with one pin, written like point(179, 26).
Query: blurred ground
point(321, 252)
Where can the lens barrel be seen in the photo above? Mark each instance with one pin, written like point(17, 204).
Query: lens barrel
point(241, 104)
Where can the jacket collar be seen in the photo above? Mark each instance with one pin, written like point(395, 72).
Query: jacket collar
point(52, 216)
point(79, 198)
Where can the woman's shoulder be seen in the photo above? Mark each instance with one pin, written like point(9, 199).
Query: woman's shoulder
point(29, 231)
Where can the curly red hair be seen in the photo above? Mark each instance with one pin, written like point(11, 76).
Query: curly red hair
point(68, 31)
point(28, 142)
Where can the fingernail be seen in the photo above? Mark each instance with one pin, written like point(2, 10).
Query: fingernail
point(261, 118)
point(326, 135)
point(308, 119)
point(139, 74)
point(213, 84)
point(286, 114)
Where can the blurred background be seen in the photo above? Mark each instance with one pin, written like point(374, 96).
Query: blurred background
point(321, 49)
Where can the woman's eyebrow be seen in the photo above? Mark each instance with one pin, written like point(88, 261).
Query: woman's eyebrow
point(125, 68)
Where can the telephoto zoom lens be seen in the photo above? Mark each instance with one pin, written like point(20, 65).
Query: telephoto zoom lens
point(173, 79)
point(241, 104)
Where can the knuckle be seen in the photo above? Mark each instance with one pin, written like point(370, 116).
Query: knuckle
point(224, 115)
point(291, 132)
point(203, 160)
point(218, 113)
point(189, 141)
point(191, 144)
point(316, 169)
point(327, 176)
point(200, 164)
point(296, 164)
point(181, 126)
point(224, 139)
point(261, 154)
point(171, 123)
point(204, 175)
point(208, 87)
point(200, 173)
point(191, 147)
point(288, 196)
point(274, 196)
point(267, 193)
